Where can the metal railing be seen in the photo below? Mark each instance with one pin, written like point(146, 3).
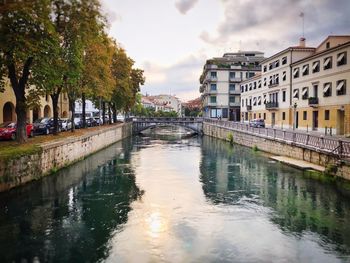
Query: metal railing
point(167, 119)
point(337, 147)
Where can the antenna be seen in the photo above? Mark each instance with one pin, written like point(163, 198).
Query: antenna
point(302, 15)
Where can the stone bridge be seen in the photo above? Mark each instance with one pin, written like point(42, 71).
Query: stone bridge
point(141, 124)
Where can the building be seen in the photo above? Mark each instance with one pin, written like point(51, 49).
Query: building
point(220, 82)
point(90, 108)
point(166, 103)
point(147, 103)
point(269, 95)
point(302, 88)
point(8, 105)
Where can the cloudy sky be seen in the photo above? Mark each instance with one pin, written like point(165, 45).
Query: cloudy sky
point(171, 39)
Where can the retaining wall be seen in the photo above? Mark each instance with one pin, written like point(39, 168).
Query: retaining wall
point(58, 154)
point(278, 147)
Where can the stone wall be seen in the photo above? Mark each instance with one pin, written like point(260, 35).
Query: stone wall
point(58, 154)
point(278, 147)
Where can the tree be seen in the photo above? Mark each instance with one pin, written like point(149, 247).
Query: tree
point(27, 37)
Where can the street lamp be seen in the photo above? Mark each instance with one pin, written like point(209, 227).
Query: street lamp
point(295, 115)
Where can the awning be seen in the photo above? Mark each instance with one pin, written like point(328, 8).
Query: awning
point(259, 83)
point(295, 93)
point(305, 68)
point(284, 74)
point(295, 71)
point(340, 57)
point(315, 65)
point(265, 98)
point(259, 100)
point(326, 87)
point(254, 99)
point(304, 91)
point(340, 85)
point(326, 62)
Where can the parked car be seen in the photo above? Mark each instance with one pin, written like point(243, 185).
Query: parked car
point(46, 125)
point(257, 123)
point(8, 130)
point(91, 122)
point(66, 124)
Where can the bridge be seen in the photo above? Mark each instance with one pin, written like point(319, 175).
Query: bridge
point(141, 124)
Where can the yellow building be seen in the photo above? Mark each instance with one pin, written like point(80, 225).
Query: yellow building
point(302, 87)
point(8, 104)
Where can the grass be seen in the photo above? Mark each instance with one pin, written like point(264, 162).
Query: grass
point(10, 150)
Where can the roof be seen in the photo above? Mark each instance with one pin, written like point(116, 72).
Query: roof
point(331, 36)
point(299, 48)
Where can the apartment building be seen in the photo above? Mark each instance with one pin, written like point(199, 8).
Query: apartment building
point(320, 88)
point(274, 88)
point(302, 88)
point(8, 106)
point(165, 103)
point(220, 82)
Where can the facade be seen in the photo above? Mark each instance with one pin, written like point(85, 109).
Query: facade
point(8, 105)
point(165, 103)
point(90, 109)
point(220, 82)
point(302, 88)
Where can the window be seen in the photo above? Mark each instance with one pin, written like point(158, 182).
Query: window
point(265, 98)
point(341, 87)
point(213, 74)
point(284, 60)
point(304, 115)
point(246, 87)
point(259, 100)
point(277, 79)
point(265, 68)
point(305, 70)
point(232, 75)
point(250, 86)
point(327, 63)
point(305, 93)
point(283, 116)
point(242, 103)
point(328, 45)
point(284, 95)
point(327, 89)
point(213, 87)
point(254, 85)
point(284, 76)
point(259, 115)
point(270, 80)
point(296, 93)
point(232, 99)
point(341, 59)
point(316, 66)
point(326, 115)
point(212, 99)
point(296, 73)
point(232, 87)
point(277, 63)
point(224, 113)
point(254, 115)
point(254, 101)
point(264, 81)
point(251, 74)
point(270, 66)
point(259, 84)
point(264, 116)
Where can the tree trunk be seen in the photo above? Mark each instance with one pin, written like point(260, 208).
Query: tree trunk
point(114, 111)
point(19, 90)
point(54, 98)
point(103, 113)
point(109, 113)
point(72, 109)
point(83, 100)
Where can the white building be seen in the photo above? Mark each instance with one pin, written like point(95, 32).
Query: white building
point(220, 83)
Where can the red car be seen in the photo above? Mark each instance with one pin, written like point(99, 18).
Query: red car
point(8, 130)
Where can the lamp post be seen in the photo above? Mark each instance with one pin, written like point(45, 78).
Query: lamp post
point(295, 115)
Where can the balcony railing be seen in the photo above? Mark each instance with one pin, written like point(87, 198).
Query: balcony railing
point(271, 105)
point(313, 101)
point(273, 85)
point(234, 79)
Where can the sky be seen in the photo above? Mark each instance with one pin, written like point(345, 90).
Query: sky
point(171, 39)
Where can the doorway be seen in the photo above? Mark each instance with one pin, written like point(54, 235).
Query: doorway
point(273, 119)
point(340, 122)
point(314, 120)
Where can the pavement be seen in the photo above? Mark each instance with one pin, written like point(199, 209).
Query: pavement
point(298, 163)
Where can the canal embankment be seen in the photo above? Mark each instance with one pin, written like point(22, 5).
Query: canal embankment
point(332, 162)
point(46, 158)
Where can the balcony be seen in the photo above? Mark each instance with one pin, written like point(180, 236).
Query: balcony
point(271, 105)
point(249, 107)
point(234, 79)
point(234, 104)
point(211, 78)
point(273, 85)
point(313, 101)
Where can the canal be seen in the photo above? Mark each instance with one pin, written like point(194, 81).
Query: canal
point(176, 199)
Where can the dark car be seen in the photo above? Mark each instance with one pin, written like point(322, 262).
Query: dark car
point(8, 130)
point(46, 125)
point(257, 123)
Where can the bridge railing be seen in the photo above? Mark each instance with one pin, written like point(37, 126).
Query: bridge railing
point(334, 146)
point(167, 119)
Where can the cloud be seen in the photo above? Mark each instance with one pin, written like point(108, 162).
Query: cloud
point(180, 78)
point(185, 5)
point(254, 23)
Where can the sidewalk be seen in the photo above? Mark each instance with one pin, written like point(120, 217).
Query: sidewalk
point(298, 163)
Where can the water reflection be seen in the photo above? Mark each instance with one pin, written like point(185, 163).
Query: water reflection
point(299, 206)
point(69, 217)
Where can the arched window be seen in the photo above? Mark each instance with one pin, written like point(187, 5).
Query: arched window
point(9, 112)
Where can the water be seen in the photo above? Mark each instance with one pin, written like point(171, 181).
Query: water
point(175, 199)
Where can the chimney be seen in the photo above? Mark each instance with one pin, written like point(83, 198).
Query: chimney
point(302, 42)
